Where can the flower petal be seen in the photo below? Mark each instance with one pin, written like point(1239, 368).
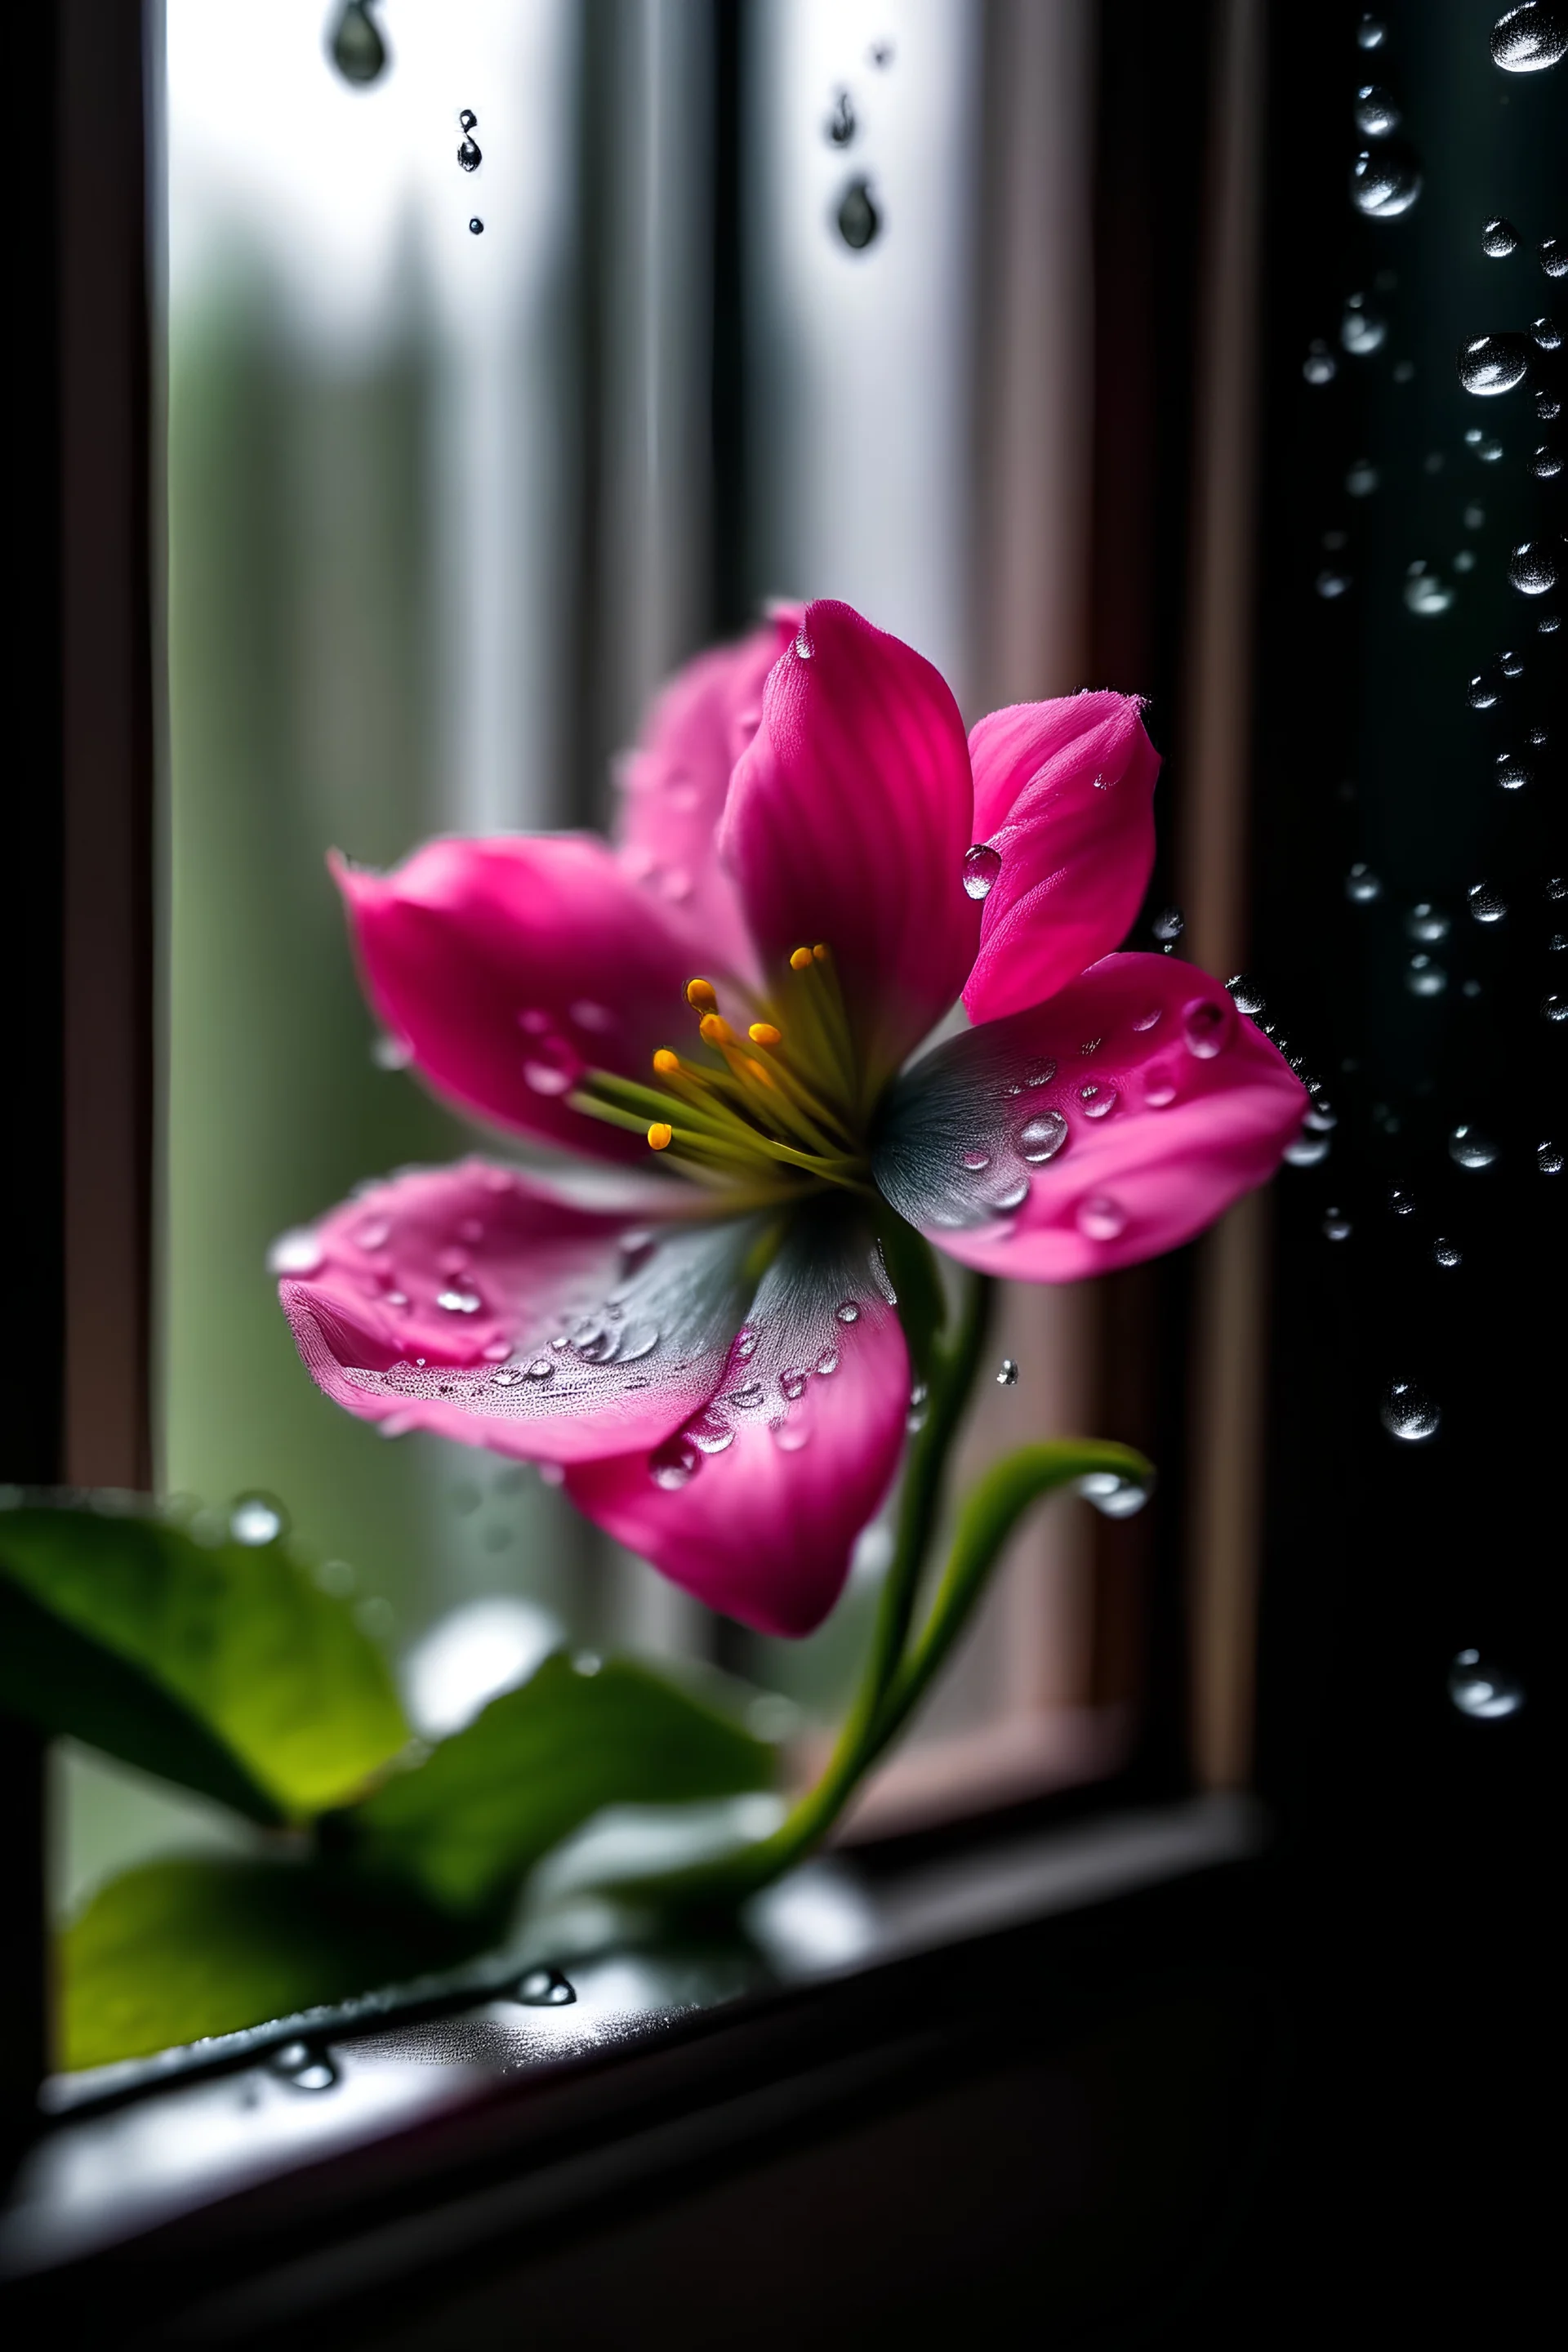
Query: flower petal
point(1064, 794)
point(755, 1506)
point(674, 784)
point(848, 821)
point(508, 966)
point(1092, 1131)
point(480, 1303)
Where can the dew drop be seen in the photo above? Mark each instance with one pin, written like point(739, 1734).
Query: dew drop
point(1375, 112)
point(1546, 333)
point(1044, 1072)
point(257, 1519)
point(1204, 1027)
point(1445, 1253)
point(1041, 1138)
point(1532, 567)
point(1512, 775)
point(1486, 905)
point(1468, 1147)
point(459, 1302)
point(1012, 1198)
point(1098, 1101)
point(1386, 180)
point(1363, 885)
point(982, 865)
point(1481, 694)
point(827, 1362)
point(1401, 1203)
point(976, 1160)
point(1529, 39)
point(1159, 1094)
point(1144, 1022)
point(1499, 239)
point(792, 1385)
point(1336, 1226)
point(299, 1251)
point(469, 155)
point(1245, 993)
point(803, 648)
point(1545, 462)
point(1427, 922)
point(509, 1376)
point(539, 1368)
point(1114, 1496)
point(1007, 1377)
point(1553, 251)
point(1407, 1414)
point(306, 2065)
point(847, 1312)
point(1490, 365)
point(788, 1435)
point(1168, 925)
point(544, 1989)
point(746, 1397)
point(673, 1464)
point(1102, 1219)
point(857, 217)
point(358, 50)
point(746, 1340)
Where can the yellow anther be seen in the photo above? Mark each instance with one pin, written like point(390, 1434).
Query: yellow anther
point(700, 994)
point(819, 953)
point(660, 1135)
point(666, 1064)
point(763, 1033)
point(714, 1030)
point(801, 960)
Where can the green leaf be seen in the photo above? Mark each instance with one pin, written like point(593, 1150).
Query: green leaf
point(464, 1827)
point(179, 1950)
point(221, 1666)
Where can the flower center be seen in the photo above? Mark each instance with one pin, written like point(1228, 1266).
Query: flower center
point(761, 1114)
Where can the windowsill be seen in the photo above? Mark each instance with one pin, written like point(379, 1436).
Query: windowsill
point(138, 2150)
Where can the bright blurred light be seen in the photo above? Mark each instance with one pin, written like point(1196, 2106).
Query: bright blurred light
point(469, 1657)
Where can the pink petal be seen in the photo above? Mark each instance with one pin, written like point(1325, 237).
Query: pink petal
point(509, 966)
point(1064, 795)
point(755, 1506)
point(1095, 1130)
point(674, 784)
point(476, 1302)
point(847, 822)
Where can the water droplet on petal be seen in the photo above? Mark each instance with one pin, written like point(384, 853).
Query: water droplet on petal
point(1406, 1413)
point(827, 1362)
point(793, 1384)
point(1160, 1094)
point(1245, 994)
point(1012, 1198)
point(1144, 1022)
point(1007, 1377)
point(544, 1989)
point(982, 865)
point(1468, 1147)
point(1044, 1072)
point(746, 1397)
point(976, 1160)
point(803, 648)
point(256, 1520)
point(459, 1302)
point(1529, 39)
point(1483, 1691)
point(1040, 1139)
point(1102, 1219)
point(1206, 1026)
point(672, 1464)
point(847, 1312)
point(305, 2065)
point(299, 1251)
point(789, 1436)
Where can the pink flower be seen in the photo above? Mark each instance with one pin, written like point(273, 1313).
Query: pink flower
point(708, 1343)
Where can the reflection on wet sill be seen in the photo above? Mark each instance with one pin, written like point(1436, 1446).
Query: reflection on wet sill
point(231, 2112)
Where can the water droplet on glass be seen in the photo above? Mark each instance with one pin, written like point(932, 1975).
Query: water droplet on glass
point(1318, 367)
point(1007, 1377)
point(847, 1312)
point(1532, 567)
point(1168, 925)
point(358, 50)
point(1427, 922)
point(1547, 334)
point(1490, 365)
point(1114, 1496)
point(1555, 1008)
point(1554, 257)
point(1482, 694)
point(306, 2065)
point(1363, 885)
point(1545, 464)
point(1529, 39)
point(1363, 478)
point(1386, 180)
point(1204, 1027)
point(1375, 112)
point(1336, 1226)
point(544, 1989)
point(1401, 1203)
point(475, 225)
point(1549, 1158)
point(1040, 1139)
point(857, 217)
point(1468, 1147)
point(1362, 331)
point(1547, 406)
point(1426, 593)
point(841, 124)
point(1407, 1414)
point(672, 1464)
point(1481, 1690)
point(1486, 905)
point(982, 865)
point(298, 1252)
point(1499, 239)
point(1445, 1253)
point(1512, 775)
point(256, 1520)
point(1102, 1219)
point(469, 156)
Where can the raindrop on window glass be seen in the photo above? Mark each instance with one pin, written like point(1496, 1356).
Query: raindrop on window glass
point(1499, 239)
point(1529, 39)
point(858, 218)
point(1554, 257)
point(1375, 112)
point(1386, 180)
point(1490, 365)
point(1407, 1414)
